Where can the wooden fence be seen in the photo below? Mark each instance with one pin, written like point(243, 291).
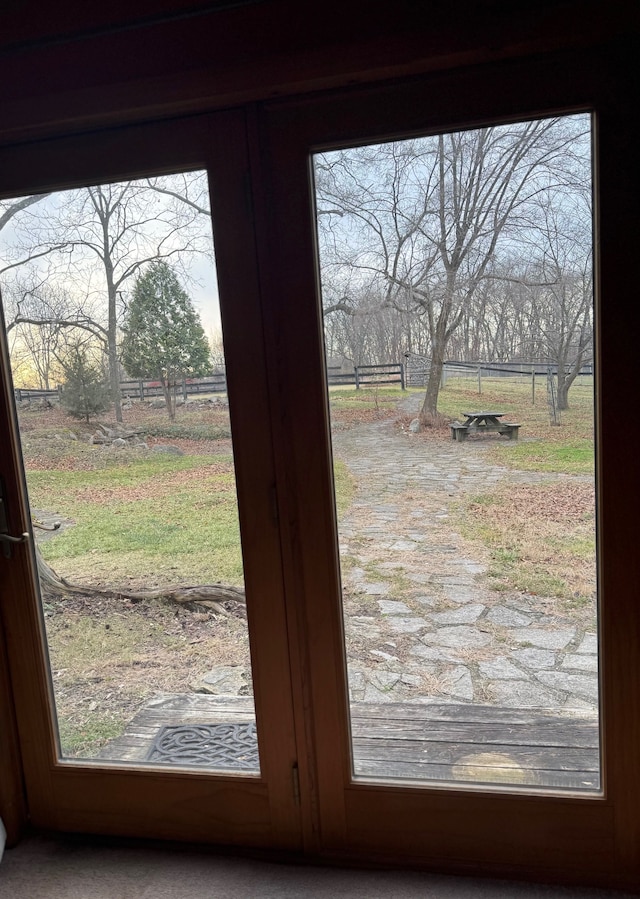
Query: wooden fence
point(215, 383)
point(31, 396)
point(367, 375)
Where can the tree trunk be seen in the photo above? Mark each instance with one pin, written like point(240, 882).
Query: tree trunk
point(169, 397)
point(112, 338)
point(430, 405)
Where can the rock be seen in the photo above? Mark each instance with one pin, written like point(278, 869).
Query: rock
point(411, 680)
point(589, 643)
point(459, 637)
point(402, 624)
point(363, 626)
point(229, 680)
point(379, 685)
point(523, 695)
point(167, 449)
point(376, 589)
point(535, 658)
point(551, 639)
point(581, 685)
point(460, 594)
point(404, 545)
point(119, 442)
point(432, 654)
point(507, 617)
point(500, 668)
point(142, 445)
point(414, 426)
point(463, 615)
point(393, 607)
point(580, 662)
point(457, 682)
point(72, 436)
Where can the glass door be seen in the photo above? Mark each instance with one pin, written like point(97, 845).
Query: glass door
point(457, 284)
point(462, 618)
point(139, 466)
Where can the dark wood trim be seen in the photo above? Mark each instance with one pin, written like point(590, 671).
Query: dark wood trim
point(104, 797)
point(445, 825)
point(13, 808)
point(271, 49)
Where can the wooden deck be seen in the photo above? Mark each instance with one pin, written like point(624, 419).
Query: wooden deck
point(414, 742)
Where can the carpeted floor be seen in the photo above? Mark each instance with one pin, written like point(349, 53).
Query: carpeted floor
point(41, 868)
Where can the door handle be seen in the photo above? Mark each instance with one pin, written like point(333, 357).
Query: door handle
point(8, 541)
point(5, 537)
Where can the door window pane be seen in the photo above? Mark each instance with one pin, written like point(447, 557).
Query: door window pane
point(111, 305)
point(457, 293)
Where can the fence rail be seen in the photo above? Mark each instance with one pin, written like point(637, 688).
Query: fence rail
point(140, 389)
point(23, 395)
point(368, 375)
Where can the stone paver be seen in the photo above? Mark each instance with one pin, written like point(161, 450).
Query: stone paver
point(500, 668)
point(405, 625)
point(393, 607)
point(508, 617)
point(464, 615)
point(458, 683)
point(557, 638)
point(450, 637)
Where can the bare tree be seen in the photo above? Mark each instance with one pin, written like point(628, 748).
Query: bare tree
point(564, 303)
point(102, 236)
point(424, 220)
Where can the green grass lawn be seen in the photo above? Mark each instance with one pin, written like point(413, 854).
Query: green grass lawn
point(162, 518)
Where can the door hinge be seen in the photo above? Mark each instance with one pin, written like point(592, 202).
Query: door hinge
point(295, 783)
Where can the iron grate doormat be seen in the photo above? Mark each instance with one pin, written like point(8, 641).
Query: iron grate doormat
point(229, 746)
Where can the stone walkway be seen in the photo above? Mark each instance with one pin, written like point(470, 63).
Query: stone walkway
point(421, 624)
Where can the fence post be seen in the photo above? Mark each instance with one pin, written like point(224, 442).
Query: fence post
point(533, 386)
point(184, 389)
point(480, 380)
point(552, 398)
point(355, 368)
point(141, 389)
point(402, 381)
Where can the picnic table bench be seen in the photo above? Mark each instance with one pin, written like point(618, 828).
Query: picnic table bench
point(483, 422)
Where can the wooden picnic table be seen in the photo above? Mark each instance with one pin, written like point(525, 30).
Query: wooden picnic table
point(483, 422)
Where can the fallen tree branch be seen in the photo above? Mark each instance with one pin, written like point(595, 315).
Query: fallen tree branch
point(210, 596)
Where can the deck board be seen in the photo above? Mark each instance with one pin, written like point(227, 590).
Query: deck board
point(409, 742)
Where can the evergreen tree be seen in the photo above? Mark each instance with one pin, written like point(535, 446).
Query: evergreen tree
point(85, 391)
point(163, 338)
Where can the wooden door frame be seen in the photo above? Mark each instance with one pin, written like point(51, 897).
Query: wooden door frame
point(588, 839)
point(118, 799)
